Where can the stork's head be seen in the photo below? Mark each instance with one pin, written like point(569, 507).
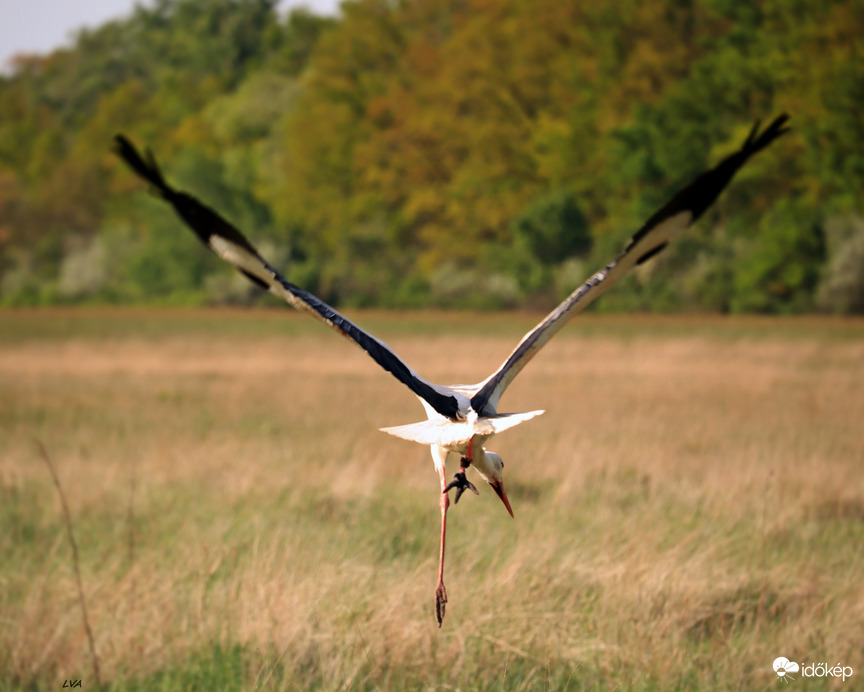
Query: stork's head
point(490, 466)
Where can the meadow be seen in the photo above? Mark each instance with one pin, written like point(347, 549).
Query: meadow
point(689, 508)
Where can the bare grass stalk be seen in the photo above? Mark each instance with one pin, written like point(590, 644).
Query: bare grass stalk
point(75, 561)
point(130, 516)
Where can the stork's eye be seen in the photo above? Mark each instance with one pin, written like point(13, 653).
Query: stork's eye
point(502, 464)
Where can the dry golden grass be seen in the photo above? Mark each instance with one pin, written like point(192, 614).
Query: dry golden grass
point(690, 507)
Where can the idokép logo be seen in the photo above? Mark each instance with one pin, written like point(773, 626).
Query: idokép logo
point(784, 669)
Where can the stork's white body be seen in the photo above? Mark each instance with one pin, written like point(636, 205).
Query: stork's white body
point(444, 435)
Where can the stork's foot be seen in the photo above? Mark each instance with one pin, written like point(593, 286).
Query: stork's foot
point(461, 484)
point(440, 603)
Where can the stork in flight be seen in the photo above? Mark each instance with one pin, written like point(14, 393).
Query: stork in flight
point(461, 419)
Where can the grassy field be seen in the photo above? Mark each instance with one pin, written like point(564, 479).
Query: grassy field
point(690, 507)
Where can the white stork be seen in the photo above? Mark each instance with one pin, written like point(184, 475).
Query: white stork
point(460, 419)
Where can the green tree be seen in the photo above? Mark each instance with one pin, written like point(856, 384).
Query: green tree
point(782, 269)
point(434, 150)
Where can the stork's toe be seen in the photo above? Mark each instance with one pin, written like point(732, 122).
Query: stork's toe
point(440, 603)
point(460, 483)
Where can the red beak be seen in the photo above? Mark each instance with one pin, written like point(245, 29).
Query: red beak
point(499, 490)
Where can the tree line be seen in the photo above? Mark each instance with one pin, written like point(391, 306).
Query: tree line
point(456, 153)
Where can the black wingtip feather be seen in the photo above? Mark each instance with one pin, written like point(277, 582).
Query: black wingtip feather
point(701, 192)
point(202, 220)
point(653, 251)
point(707, 187)
point(756, 142)
point(254, 279)
point(148, 170)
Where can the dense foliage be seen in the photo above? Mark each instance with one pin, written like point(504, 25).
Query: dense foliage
point(449, 152)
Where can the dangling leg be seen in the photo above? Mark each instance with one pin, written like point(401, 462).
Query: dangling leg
point(440, 591)
point(439, 455)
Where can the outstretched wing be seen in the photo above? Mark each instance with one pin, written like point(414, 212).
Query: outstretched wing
point(231, 245)
point(676, 216)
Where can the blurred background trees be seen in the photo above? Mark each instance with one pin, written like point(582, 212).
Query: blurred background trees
point(460, 153)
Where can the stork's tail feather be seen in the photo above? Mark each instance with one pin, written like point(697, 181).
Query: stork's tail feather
point(431, 432)
point(445, 433)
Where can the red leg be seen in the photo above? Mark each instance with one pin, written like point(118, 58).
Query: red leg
point(441, 463)
point(440, 591)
